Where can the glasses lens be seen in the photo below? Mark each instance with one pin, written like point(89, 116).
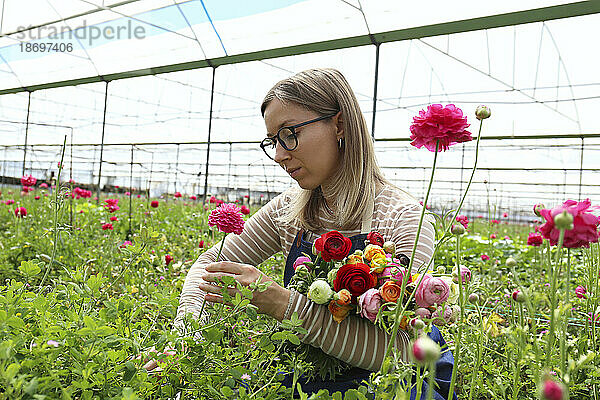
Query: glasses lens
point(268, 145)
point(289, 138)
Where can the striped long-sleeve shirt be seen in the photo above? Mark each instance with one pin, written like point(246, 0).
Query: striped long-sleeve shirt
point(355, 340)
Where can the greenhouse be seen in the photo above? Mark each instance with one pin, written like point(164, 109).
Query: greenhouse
point(128, 128)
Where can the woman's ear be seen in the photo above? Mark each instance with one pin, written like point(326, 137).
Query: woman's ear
point(338, 119)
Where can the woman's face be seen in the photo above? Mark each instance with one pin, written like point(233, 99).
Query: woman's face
point(317, 156)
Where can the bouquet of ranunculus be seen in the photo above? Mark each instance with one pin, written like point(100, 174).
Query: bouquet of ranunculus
point(369, 283)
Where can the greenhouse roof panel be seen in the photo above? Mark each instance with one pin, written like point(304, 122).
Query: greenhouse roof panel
point(78, 39)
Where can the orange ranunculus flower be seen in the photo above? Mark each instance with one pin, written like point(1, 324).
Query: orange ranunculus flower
point(339, 313)
point(343, 297)
point(403, 323)
point(378, 262)
point(390, 291)
point(354, 259)
point(371, 250)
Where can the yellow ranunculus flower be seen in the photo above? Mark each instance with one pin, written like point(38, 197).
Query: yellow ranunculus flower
point(378, 262)
point(354, 259)
point(371, 250)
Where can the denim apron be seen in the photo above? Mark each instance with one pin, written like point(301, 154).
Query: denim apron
point(352, 378)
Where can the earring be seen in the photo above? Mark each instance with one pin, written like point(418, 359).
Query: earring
point(340, 143)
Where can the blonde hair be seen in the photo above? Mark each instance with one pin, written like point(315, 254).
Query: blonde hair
point(326, 91)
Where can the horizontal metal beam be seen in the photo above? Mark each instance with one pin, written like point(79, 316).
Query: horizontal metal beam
point(256, 142)
point(488, 22)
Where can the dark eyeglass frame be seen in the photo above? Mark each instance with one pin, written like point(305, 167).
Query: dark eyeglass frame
point(269, 141)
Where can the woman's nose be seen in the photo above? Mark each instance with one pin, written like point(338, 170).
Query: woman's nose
point(281, 153)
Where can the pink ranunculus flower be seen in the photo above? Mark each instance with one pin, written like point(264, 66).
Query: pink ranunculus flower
point(463, 220)
point(177, 195)
point(505, 215)
point(493, 236)
point(113, 218)
point(227, 218)
point(432, 290)
point(107, 227)
point(245, 210)
point(442, 315)
point(168, 259)
point(28, 180)
point(369, 303)
point(580, 292)
point(465, 273)
point(193, 197)
point(444, 124)
point(423, 313)
point(585, 224)
point(9, 202)
point(154, 203)
point(20, 212)
point(201, 244)
point(485, 257)
point(394, 271)
point(44, 185)
point(125, 244)
point(111, 205)
point(535, 239)
point(300, 261)
point(495, 221)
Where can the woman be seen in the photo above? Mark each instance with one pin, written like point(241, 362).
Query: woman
point(317, 133)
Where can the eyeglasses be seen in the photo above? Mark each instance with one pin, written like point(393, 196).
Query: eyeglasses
point(287, 137)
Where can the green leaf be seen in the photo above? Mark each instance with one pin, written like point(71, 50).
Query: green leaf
point(293, 338)
point(279, 336)
point(11, 371)
point(15, 322)
point(213, 335)
point(227, 391)
point(29, 268)
point(237, 372)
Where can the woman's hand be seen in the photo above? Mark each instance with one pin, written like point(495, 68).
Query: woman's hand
point(272, 301)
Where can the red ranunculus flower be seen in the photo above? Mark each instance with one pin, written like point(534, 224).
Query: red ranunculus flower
point(333, 246)
point(28, 180)
point(444, 124)
point(375, 238)
point(168, 259)
point(245, 210)
point(585, 224)
point(154, 203)
point(356, 278)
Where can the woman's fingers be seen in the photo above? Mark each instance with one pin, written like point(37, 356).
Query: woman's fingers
point(227, 266)
point(213, 289)
point(217, 276)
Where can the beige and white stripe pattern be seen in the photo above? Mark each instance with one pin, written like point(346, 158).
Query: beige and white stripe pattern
point(355, 340)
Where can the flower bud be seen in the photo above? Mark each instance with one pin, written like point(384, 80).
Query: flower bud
point(320, 292)
point(552, 390)
point(564, 220)
point(302, 271)
point(441, 269)
point(473, 298)
point(390, 248)
point(314, 250)
point(518, 296)
point(425, 350)
point(482, 112)
point(457, 229)
point(511, 262)
point(417, 323)
point(537, 208)
point(331, 275)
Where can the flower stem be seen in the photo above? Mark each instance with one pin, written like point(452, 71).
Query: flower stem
point(461, 303)
point(555, 270)
point(431, 381)
point(398, 315)
point(56, 208)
